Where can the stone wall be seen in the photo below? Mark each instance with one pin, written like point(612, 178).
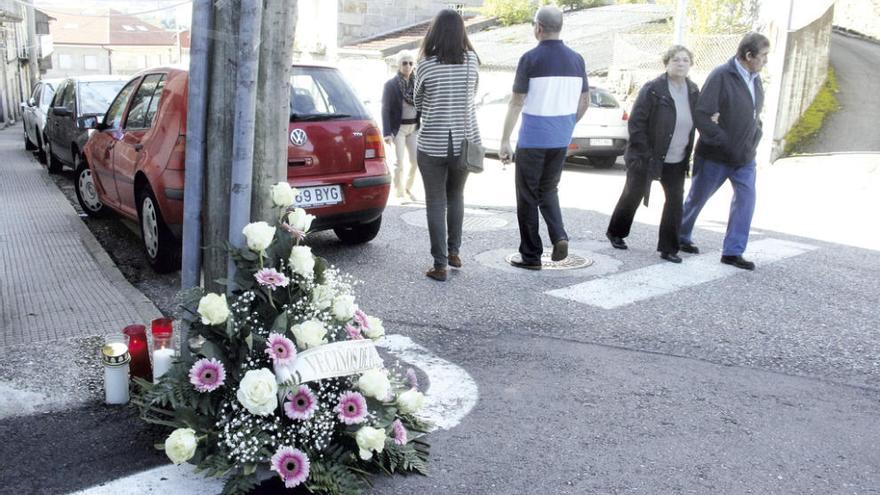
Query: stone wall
point(804, 73)
point(362, 19)
point(862, 16)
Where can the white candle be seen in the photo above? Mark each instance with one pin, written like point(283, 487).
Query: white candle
point(116, 384)
point(162, 359)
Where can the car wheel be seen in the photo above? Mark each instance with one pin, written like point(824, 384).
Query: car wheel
point(159, 245)
point(603, 161)
point(41, 149)
point(55, 165)
point(87, 192)
point(358, 233)
point(28, 145)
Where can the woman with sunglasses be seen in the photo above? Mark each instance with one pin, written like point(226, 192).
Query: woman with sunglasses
point(400, 122)
point(446, 81)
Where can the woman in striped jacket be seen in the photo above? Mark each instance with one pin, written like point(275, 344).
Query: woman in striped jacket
point(446, 81)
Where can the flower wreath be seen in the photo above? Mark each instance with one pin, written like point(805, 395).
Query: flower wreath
point(236, 405)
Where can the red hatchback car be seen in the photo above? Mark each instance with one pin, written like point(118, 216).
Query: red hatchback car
point(134, 160)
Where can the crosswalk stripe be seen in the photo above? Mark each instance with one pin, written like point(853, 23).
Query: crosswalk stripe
point(167, 480)
point(662, 278)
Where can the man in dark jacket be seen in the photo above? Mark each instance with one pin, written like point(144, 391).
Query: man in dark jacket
point(727, 146)
point(400, 122)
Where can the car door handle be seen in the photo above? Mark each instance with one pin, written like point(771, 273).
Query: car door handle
point(138, 147)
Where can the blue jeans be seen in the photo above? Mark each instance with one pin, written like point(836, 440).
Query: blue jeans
point(708, 177)
point(444, 204)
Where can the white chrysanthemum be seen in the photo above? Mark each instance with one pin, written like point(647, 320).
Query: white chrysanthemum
point(374, 383)
point(344, 307)
point(368, 440)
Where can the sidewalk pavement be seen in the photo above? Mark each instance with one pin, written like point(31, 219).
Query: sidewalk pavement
point(59, 291)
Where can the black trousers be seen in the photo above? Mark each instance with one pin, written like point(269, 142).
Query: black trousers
point(537, 179)
point(637, 185)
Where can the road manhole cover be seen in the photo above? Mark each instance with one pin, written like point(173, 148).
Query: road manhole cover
point(573, 262)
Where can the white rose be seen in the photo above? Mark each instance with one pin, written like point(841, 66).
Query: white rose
point(369, 439)
point(344, 307)
point(374, 383)
point(302, 261)
point(322, 296)
point(375, 329)
point(180, 445)
point(410, 401)
point(300, 220)
point(259, 235)
point(213, 309)
point(258, 392)
point(310, 334)
point(283, 195)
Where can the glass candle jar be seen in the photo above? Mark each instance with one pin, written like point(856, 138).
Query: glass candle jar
point(115, 358)
point(140, 355)
point(163, 346)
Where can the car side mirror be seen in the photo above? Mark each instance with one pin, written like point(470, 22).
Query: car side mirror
point(88, 122)
point(31, 102)
point(61, 112)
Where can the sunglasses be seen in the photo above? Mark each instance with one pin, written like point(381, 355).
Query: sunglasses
point(407, 62)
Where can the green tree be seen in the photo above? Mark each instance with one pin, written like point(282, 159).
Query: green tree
point(715, 16)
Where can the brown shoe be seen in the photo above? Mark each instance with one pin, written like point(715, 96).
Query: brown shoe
point(454, 260)
point(438, 274)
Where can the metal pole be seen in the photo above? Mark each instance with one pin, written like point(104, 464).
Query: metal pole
point(243, 127)
point(197, 100)
point(680, 20)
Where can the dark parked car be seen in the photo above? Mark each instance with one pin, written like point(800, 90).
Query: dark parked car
point(134, 162)
point(78, 103)
point(33, 115)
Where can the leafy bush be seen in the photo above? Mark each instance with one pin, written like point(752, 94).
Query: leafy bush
point(510, 12)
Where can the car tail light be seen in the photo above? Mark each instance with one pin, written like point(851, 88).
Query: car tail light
point(572, 146)
point(177, 158)
point(374, 147)
point(625, 115)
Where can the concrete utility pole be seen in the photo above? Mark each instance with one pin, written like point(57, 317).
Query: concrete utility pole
point(680, 21)
point(273, 100)
point(268, 135)
point(243, 127)
point(33, 47)
point(223, 63)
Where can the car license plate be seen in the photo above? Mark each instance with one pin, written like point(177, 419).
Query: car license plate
point(601, 142)
point(315, 196)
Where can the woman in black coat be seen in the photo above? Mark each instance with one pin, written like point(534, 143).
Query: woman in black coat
point(661, 138)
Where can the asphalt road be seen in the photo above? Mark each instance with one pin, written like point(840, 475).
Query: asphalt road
point(854, 126)
point(763, 382)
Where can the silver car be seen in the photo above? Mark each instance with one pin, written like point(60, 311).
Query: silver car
point(33, 115)
point(599, 138)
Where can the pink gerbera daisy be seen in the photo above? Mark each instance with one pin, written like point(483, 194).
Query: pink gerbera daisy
point(271, 278)
point(399, 432)
point(412, 378)
point(361, 318)
point(301, 405)
point(280, 349)
point(292, 465)
point(207, 374)
point(353, 332)
point(352, 408)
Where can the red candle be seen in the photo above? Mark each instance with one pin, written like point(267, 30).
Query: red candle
point(162, 330)
point(137, 347)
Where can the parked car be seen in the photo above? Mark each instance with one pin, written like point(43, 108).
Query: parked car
point(33, 114)
point(134, 161)
point(600, 136)
point(77, 104)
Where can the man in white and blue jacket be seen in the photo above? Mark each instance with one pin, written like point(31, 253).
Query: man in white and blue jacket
point(727, 146)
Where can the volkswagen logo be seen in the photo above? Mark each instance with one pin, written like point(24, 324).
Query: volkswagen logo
point(298, 137)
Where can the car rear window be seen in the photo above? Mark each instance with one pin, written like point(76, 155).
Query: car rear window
point(602, 99)
point(95, 97)
point(320, 93)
